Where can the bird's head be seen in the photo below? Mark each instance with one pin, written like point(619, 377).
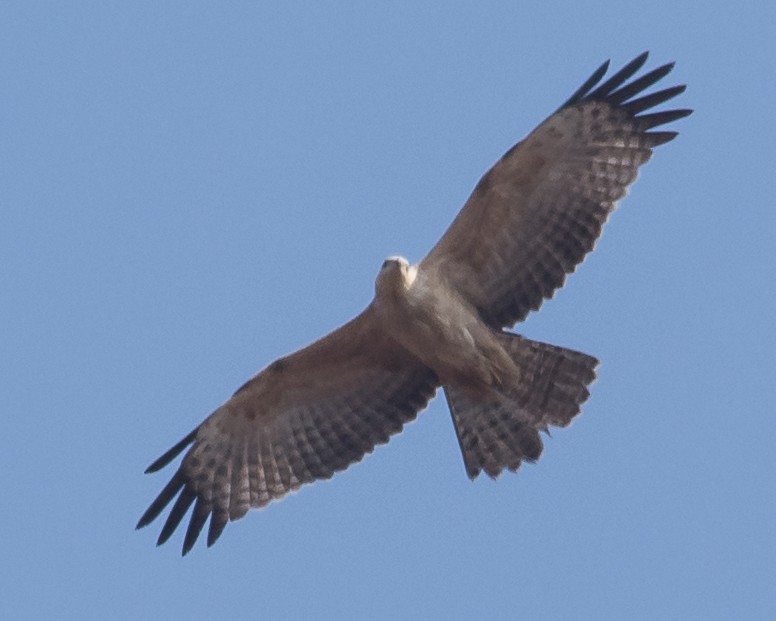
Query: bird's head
point(395, 276)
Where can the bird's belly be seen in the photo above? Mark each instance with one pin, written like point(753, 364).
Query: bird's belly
point(447, 338)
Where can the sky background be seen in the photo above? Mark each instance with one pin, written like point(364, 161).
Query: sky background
point(189, 190)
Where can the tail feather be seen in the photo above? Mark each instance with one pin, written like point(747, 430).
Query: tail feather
point(493, 434)
point(500, 431)
point(554, 380)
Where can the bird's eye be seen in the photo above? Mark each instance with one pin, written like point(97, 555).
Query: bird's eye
point(386, 263)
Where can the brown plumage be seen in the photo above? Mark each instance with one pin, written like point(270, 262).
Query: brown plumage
point(529, 222)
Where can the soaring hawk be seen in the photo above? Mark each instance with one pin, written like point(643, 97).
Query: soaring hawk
point(528, 223)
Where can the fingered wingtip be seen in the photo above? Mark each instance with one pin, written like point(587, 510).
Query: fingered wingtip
point(172, 453)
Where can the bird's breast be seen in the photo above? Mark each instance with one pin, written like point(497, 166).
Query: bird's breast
point(440, 330)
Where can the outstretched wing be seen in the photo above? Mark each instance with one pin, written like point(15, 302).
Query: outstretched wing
point(303, 418)
point(535, 215)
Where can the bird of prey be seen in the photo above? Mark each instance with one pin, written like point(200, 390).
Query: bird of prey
point(528, 223)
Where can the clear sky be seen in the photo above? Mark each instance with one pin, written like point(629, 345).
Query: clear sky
point(189, 190)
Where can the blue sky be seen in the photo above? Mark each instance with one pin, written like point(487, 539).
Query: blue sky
point(190, 190)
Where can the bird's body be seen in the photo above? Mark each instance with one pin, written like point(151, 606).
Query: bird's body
point(438, 328)
point(528, 223)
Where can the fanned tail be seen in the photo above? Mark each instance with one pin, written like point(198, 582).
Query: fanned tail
point(500, 431)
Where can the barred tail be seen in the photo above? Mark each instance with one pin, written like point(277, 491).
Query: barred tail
point(498, 431)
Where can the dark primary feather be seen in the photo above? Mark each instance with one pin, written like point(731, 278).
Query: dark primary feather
point(589, 83)
point(536, 214)
point(614, 81)
point(172, 453)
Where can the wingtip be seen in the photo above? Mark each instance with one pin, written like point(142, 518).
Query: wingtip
point(163, 537)
point(176, 450)
point(150, 515)
point(634, 66)
point(681, 113)
point(638, 62)
point(217, 525)
point(660, 138)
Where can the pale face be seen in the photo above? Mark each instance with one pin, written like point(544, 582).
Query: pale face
point(396, 272)
point(395, 262)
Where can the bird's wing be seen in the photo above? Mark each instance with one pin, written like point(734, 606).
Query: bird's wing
point(303, 418)
point(535, 215)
